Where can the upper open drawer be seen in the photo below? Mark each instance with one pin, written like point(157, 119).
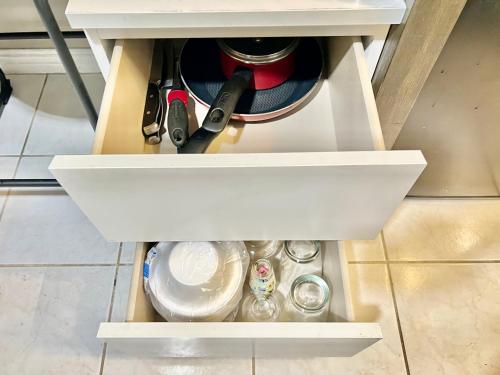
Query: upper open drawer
point(199, 18)
point(320, 172)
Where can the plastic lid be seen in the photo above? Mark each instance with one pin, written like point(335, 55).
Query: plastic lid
point(193, 266)
point(196, 281)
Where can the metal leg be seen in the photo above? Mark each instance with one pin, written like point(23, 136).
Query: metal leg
point(28, 182)
point(62, 49)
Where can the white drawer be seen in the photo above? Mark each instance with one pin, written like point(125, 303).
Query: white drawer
point(145, 334)
point(117, 19)
point(318, 173)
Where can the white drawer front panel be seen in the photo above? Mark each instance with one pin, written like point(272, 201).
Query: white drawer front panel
point(331, 195)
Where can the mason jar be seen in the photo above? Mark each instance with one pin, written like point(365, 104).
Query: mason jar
point(308, 300)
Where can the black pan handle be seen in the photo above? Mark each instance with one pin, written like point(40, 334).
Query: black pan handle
point(225, 102)
point(177, 122)
point(219, 113)
point(198, 142)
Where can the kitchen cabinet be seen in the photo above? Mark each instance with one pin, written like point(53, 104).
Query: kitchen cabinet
point(320, 172)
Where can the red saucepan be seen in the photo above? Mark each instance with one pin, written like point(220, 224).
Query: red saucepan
point(256, 63)
point(271, 60)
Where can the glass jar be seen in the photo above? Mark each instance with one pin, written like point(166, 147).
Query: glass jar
point(299, 258)
point(264, 249)
point(308, 300)
point(302, 251)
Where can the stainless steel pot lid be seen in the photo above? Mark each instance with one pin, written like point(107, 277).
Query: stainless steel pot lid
point(258, 50)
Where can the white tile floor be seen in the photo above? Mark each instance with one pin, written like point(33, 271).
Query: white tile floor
point(431, 278)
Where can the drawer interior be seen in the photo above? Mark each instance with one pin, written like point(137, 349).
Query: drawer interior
point(340, 115)
point(334, 270)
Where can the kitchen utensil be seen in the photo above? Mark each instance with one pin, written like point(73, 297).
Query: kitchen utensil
point(219, 113)
point(308, 299)
point(155, 105)
point(204, 82)
point(195, 281)
point(231, 92)
point(177, 119)
point(151, 118)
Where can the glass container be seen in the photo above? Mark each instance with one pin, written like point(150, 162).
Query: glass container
point(309, 299)
point(302, 251)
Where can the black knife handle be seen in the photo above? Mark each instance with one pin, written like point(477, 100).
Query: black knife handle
point(225, 102)
point(150, 125)
point(198, 142)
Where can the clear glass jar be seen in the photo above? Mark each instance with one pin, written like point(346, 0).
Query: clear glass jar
point(298, 258)
point(308, 300)
point(264, 249)
point(302, 251)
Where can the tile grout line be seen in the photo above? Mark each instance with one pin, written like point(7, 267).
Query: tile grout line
point(49, 265)
point(7, 195)
point(253, 365)
point(32, 121)
point(446, 261)
point(452, 197)
point(395, 304)
point(28, 156)
point(110, 310)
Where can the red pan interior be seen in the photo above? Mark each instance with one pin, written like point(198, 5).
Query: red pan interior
point(265, 76)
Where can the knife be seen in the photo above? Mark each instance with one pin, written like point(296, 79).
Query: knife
point(154, 107)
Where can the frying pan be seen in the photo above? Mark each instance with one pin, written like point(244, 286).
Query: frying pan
point(234, 98)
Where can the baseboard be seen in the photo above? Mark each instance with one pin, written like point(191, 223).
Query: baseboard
point(30, 61)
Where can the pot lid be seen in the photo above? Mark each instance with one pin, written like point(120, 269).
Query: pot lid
point(258, 50)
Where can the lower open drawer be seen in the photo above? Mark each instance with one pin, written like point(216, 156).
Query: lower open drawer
point(146, 333)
